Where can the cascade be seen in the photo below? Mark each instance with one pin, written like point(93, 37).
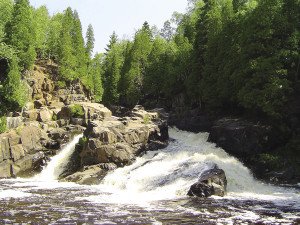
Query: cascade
point(58, 162)
point(168, 173)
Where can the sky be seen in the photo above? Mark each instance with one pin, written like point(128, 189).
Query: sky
point(122, 16)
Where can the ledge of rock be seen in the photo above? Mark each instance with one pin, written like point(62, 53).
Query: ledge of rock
point(117, 141)
point(211, 182)
point(242, 138)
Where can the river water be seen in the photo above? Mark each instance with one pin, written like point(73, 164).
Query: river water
point(150, 191)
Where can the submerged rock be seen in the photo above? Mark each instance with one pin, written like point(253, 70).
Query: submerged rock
point(211, 182)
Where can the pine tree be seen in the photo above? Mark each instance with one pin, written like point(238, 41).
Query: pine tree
point(79, 50)
point(41, 23)
point(167, 31)
point(113, 40)
point(90, 41)
point(95, 71)
point(140, 51)
point(6, 9)
point(67, 59)
point(20, 33)
point(53, 40)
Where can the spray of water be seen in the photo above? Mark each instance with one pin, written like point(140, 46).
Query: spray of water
point(168, 173)
point(57, 163)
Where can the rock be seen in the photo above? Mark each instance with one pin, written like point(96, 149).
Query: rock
point(56, 105)
point(38, 104)
point(14, 122)
point(119, 140)
point(89, 176)
point(65, 113)
point(45, 115)
point(31, 137)
point(17, 152)
point(6, 169)
point(94, 111)
point(31, 115)
point(29, 106)
point(78, 121)
point(241, 138)
point(58, 136)
point(211, 182)
point(28, 165)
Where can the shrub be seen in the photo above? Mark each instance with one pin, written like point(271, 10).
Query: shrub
point(83, 141)
point(146, 119)
point(77, 111)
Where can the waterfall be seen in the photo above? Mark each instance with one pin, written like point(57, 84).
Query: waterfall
point(168, 173)
point(57, 163)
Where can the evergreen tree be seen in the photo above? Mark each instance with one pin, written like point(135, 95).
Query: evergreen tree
point(13, 94)
point(90, 40)
point(6, 8)
point(79, 50)
point(96, 72)
point(167, 31)
point(67, 59)
point(54, 34)
point(263, 78)
point(140, 50)
point(20, 33)
point(113, 40)
point(41, 23)
point(113, 65)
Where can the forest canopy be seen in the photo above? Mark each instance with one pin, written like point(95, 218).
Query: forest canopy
point(233, 54)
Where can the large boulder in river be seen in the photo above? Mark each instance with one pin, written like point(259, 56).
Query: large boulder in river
point(211, 182)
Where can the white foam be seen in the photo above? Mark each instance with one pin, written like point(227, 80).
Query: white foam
point(57, 163)
point(168, 174)
point(4, 194)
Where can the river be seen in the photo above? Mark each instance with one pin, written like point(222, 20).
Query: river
point(150, 191)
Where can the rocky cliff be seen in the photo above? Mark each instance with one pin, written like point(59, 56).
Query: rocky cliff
point(55, 113)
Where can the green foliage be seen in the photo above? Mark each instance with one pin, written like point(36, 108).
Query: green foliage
point(53, 39)
point(138, 61)
point(6, 8)
point(41, 23)
point(77, 111)
point(61, 84)
point(113, 65)
point(90, 40)
point(83, 141)
point(67, 59)
point(2, 124)
point(54, 117)
point(271, 161)
point(146, 119)
point(21, 34)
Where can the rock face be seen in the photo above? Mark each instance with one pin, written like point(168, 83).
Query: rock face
point(20, 152)
point(242, 138)
point(211, 182)
point(118, 141)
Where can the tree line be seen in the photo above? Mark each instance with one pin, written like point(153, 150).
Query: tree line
point(220, 54)
point(28, 34)
point(239, 54)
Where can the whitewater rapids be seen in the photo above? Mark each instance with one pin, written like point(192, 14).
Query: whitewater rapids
point(151, 190)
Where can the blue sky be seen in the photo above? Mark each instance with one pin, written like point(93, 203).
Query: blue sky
point(122, 16)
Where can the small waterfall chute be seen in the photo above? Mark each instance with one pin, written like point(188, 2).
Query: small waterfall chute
point(58, 162)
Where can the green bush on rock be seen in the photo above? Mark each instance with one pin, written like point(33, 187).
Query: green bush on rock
point(77, 111)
